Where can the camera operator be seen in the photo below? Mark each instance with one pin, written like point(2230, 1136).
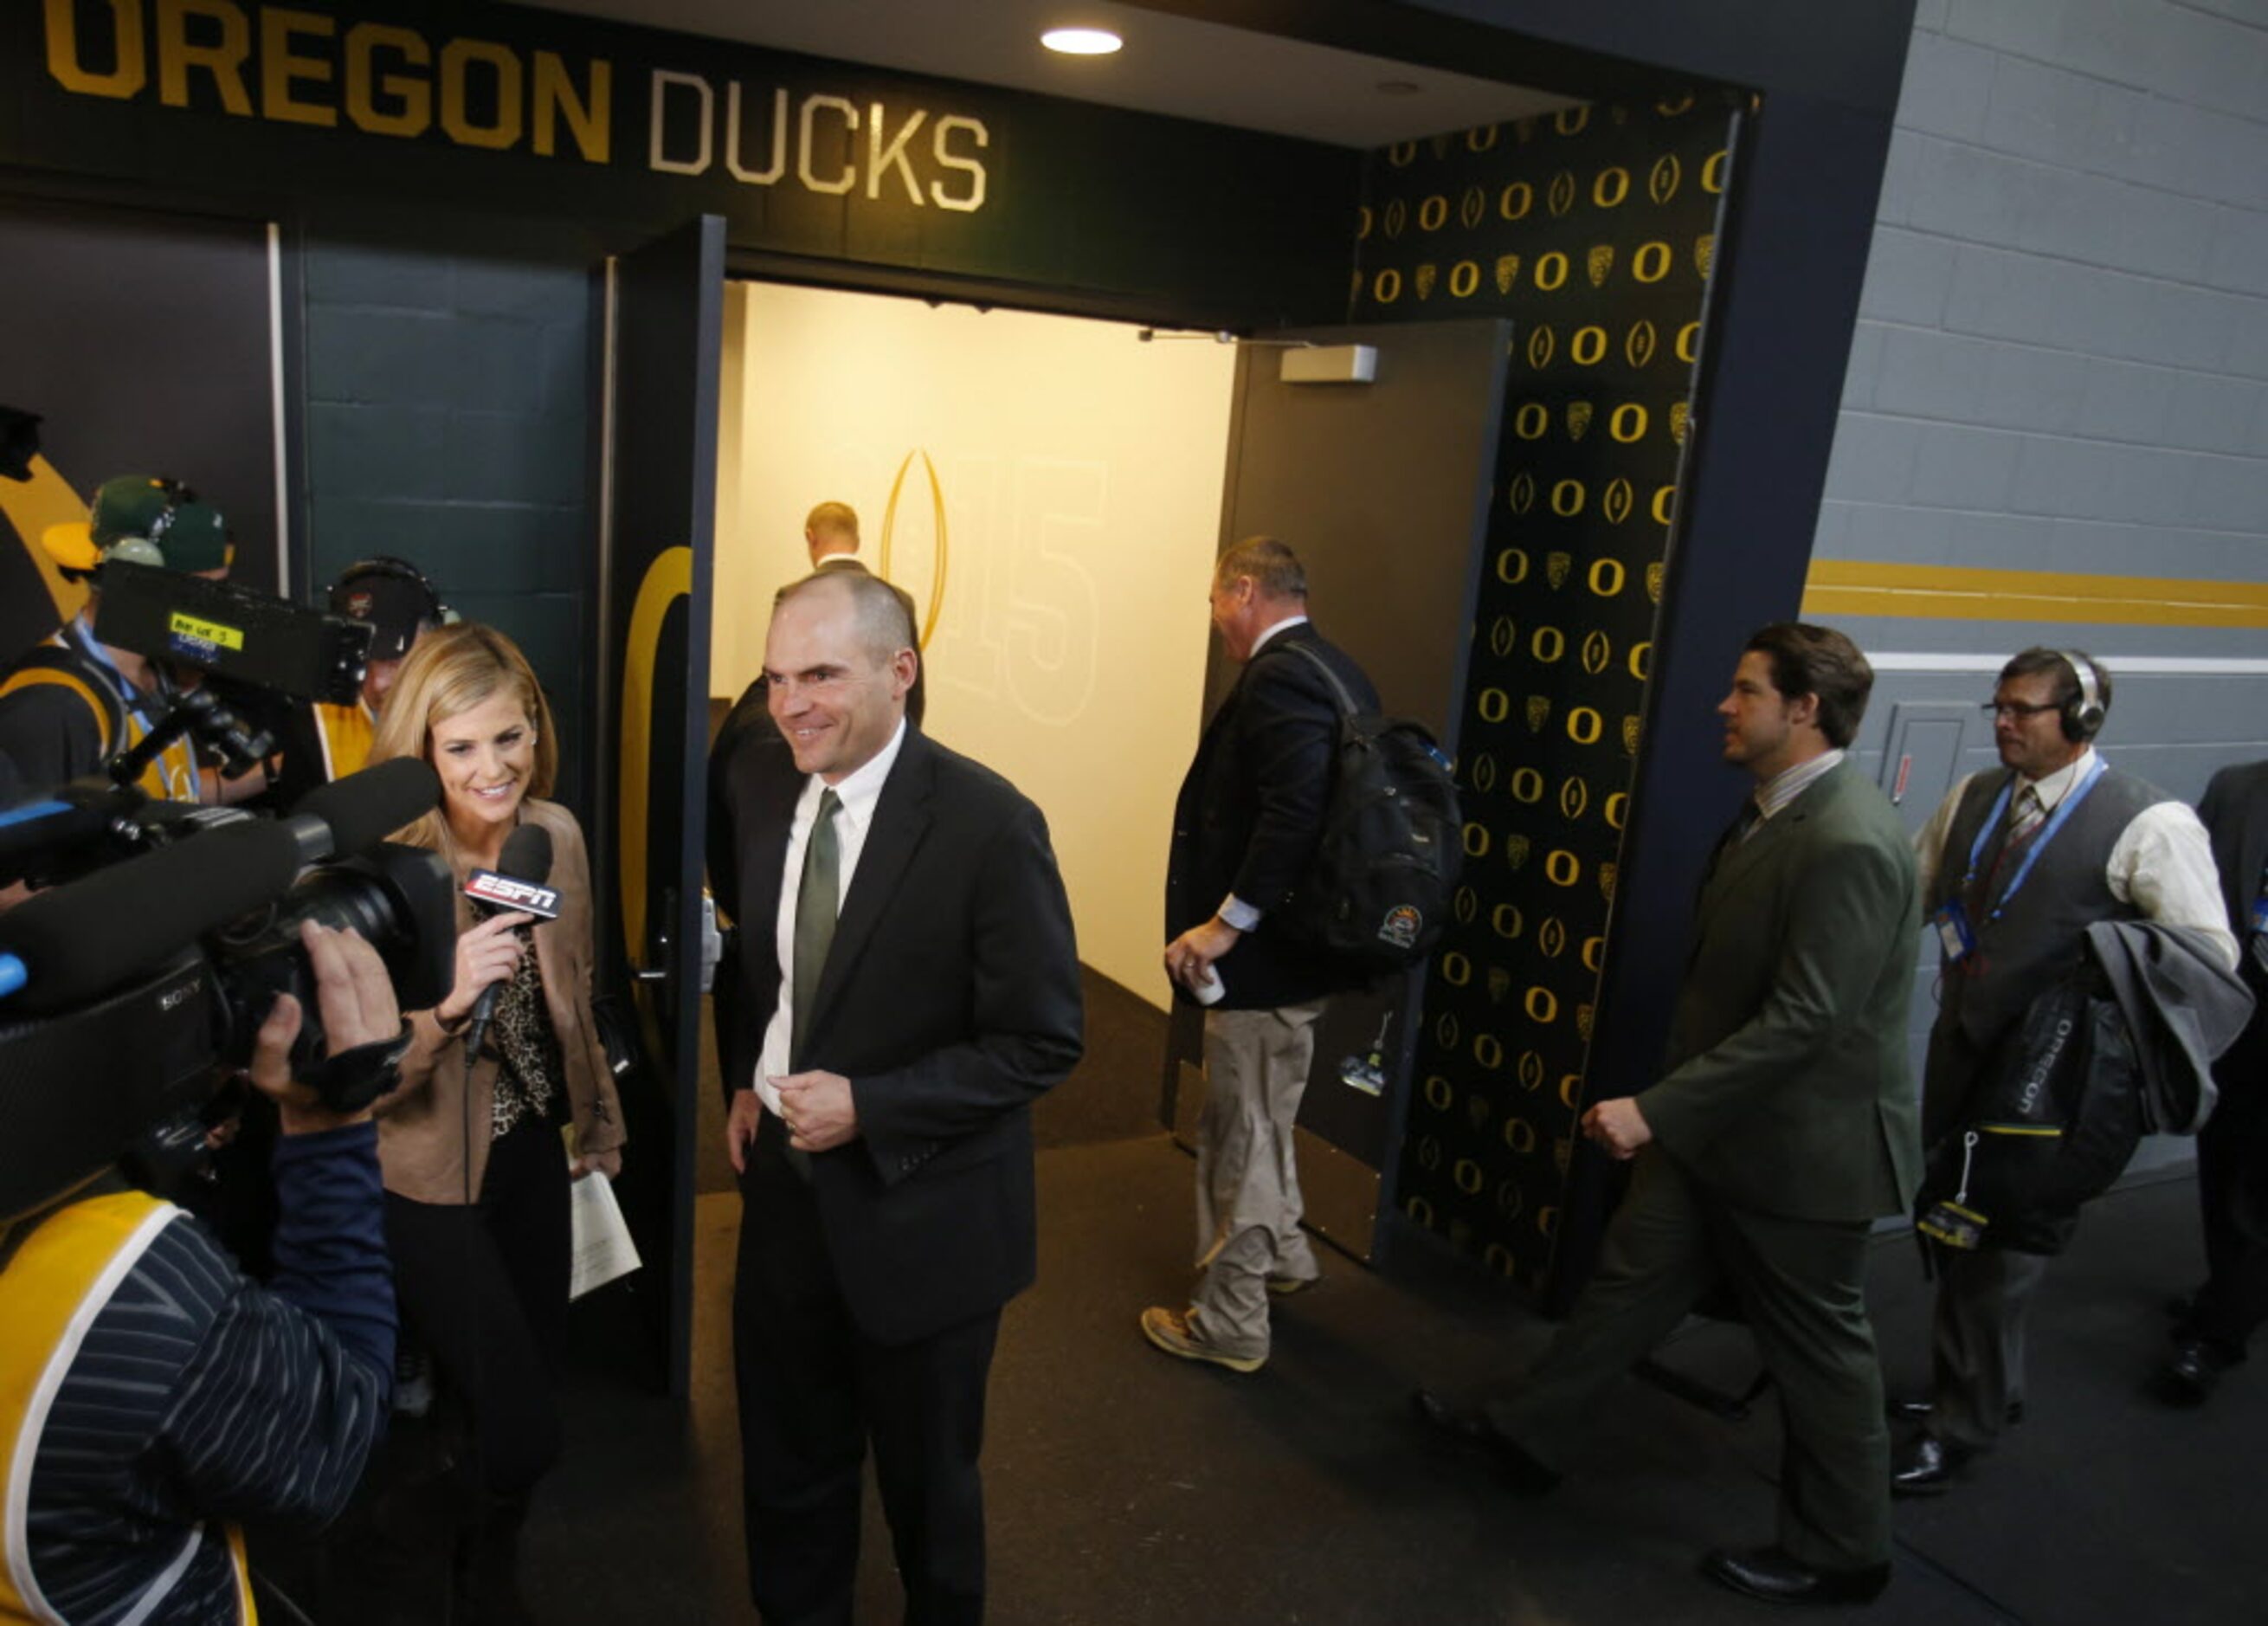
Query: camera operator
point(73, 702)
point(150, 1392)
point(320, 741)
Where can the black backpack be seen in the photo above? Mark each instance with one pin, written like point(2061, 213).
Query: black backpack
point(1377, 892)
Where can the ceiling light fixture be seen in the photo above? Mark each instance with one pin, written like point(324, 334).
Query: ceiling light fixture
point(1081, 42)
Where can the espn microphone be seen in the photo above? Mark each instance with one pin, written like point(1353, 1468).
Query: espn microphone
point(515, 886)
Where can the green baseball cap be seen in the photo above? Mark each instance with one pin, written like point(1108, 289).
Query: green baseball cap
point(178, 531)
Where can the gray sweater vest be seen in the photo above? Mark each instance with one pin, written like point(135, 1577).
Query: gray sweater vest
point(2038, 937)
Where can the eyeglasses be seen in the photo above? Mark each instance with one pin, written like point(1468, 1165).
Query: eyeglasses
point(2022, 711)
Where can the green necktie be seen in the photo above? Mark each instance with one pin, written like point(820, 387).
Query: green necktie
point(816, 901)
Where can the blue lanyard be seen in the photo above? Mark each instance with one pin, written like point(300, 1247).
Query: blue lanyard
point(81, 636)
point(2063, 810)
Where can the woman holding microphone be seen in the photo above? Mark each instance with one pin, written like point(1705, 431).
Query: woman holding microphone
point(476, 1176)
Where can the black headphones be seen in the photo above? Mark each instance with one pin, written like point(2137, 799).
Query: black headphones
point(2083, 714)
point(437, 613)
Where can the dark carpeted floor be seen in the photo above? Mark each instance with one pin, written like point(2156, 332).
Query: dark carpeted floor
point(1125, 1487)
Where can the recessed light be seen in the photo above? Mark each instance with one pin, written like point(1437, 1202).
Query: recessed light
point(1081, 42)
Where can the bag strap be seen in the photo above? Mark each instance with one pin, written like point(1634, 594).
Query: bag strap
point(1347, 707)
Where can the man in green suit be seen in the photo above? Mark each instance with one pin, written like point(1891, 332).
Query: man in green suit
point(1783, 1124)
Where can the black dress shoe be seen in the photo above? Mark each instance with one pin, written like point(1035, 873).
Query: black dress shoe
point(1771, 1575)
point(1469, 1427)
point(1915, 1408)
point(1927, 1465)
point(2190, 1377)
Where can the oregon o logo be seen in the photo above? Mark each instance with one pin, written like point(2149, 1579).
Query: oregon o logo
point(1456, 970)
point(1664, 500)
point(1562, 867)
point(1542, 1005)
point(1627, 422)
point(1476, 840)
point(1618, 808)
point(1469, 1176)
point(1515, 200)
point(1552, 269)
point(1584, 725)
point(1689, 341)
point(1402, 154)
point(1571, 1086)
point(1511, 563)
point(1612, 186)
point(1712, 172)
point(1606, 576)
point(1495, 1256)
point(1531, 420)
point(1420, 1212)
point(1594, 954)
point(1362, 221)
point(1433, 213)
point(1465, 279)
point(1650, 264)
point(1567, 497)
point(1548, 644)
point(1488, 1050)
point(1641, 661)
point(1520, 1135)
point(1505, 920)
point(1527, 785)
point(1494, 706)
point(1388, 287)
point(1482, 139)
point(1589, 347)
point(1440, 1094)
point(1570, 121)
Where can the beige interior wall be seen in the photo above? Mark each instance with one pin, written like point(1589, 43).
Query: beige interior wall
point(1078, 477)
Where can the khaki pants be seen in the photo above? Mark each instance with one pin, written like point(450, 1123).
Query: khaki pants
point(1248, 1208)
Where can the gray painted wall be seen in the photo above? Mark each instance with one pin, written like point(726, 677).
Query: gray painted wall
point(2061, 364)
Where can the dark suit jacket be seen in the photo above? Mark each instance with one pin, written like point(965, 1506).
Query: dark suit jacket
point(1250, 809)
point(2235, 811)
point(950, 1000)
point(1788, 1089)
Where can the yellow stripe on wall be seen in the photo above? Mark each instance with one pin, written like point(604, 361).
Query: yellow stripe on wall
point(1956, 592)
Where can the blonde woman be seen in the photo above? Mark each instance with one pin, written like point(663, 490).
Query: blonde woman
point(476, 1176)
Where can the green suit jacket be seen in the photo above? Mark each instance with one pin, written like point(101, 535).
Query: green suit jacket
point(1788, 1089)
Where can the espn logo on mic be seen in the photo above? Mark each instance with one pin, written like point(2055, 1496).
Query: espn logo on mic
point(502, 892)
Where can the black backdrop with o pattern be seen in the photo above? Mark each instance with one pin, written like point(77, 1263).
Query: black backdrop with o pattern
point(1592, 229)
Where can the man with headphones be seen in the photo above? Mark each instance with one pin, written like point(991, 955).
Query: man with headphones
point(73, 702)
point(2015, 865)
point(322, 743)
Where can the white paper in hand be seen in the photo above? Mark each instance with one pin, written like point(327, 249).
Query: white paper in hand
point(603, 1248)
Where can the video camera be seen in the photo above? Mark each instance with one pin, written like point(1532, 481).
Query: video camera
point(127, 998)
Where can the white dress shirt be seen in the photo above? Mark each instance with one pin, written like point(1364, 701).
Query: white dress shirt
point(2162, 862)
point(858, 792)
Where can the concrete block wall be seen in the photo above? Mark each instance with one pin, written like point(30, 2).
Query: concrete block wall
point(2061, 363)
point(449, 394)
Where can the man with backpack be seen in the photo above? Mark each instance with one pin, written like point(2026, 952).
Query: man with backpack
point(1246, 829)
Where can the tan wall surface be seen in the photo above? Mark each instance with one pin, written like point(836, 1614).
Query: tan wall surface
point(1079, 474)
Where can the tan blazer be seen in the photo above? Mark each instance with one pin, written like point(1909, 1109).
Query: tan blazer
point(423, 1143)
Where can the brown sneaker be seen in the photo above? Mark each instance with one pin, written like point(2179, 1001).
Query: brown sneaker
point(1172, 1331)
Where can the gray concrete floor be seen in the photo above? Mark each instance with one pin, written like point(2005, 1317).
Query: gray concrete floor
point(1125, 1487)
